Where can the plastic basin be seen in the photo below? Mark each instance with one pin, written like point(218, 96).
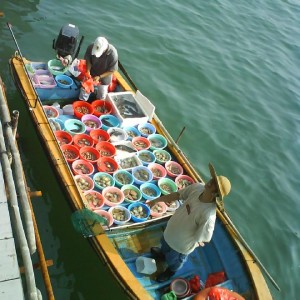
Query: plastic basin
point(89, 154)
point(123, 177)
point(167, 186)
point(183, 181)
point(157, 170)
point(109, 121)
point(101, 107)
point(150, 191)
point(140, 212)
point(131, 132)
point(157, 141)
point(162, 156)
point(84, 182)
point(64, 81)
point(173, 168)
point(74, 126)
point(82, 167)
point(56, 67)
point(117, 134)
point(106, 149)
point(146, 129)
point(81, 108)
point(158, 209)
point(63, 137)
point(103, 180)
point(107, 164)
point(141, 143)
point(94, 199)
point(56, 124)
point(106, 215)
point(120, 214)
point(51, 111)
point(141, 174)
point(146, 157)
point(99, 135)
point(82, 140)
point(91, 122)
point(70, 152)
point(131, 193)
point(113, 196)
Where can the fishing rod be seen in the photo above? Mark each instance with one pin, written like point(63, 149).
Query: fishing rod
point(22, 59)
point(127, 75)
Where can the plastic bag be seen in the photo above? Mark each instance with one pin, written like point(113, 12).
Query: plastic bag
point(217, 293)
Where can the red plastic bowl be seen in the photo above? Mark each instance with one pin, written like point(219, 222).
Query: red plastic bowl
point(94, 199)
point(89, 154)
point(82, 167)
point(82, 108)
point(107, 164)
point(71, 153)
point(82, 140)
point(141, 143)
point(157, 170)
point(99, 135)
point(63, 137)
point(106, 149)
point(101, 107)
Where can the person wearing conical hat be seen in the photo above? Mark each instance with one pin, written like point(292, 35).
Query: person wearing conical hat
point(193, 222)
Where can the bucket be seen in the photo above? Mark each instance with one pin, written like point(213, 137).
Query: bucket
point(82, 108)
point(63, 137)
point(146, 129)
point(70, 152)
point(157, 170)
point(167, 186)
point(82, 167)
point(101, 107)
point(84, 182)
point(51, 111)
point(141, 143)
point(91, 122)
point(74, 126)
point(173, 168)
point(141, 174)
point(157, 141)
point(150, 191)
point(109, 121)
point(106, 149)
point(181, 287)
point(89, 154)
point(145, 265)
point(99, 135)
point(107, 164)
point(82, 140)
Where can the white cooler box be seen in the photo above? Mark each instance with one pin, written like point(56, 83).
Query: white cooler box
point(131, 109)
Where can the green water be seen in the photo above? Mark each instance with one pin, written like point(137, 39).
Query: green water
point(228, 71)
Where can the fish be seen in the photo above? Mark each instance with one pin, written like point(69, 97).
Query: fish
point(115, 133)
point(125, 148)
point(57, 68)
point(78, 129)
point(106, 122)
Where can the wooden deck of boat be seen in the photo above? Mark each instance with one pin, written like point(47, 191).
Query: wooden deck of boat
point(10, 278)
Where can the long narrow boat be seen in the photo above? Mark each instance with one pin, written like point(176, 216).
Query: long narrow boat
point(121, 245)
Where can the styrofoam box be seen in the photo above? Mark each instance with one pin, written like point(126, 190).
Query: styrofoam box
point(138, 102)
point(120, 153)
point(124, 160)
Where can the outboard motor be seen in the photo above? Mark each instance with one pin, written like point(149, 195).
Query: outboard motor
point(66, 43)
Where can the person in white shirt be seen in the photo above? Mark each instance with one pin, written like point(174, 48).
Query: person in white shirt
point(192, 224)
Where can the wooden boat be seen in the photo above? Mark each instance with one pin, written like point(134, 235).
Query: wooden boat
point(120, 246)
